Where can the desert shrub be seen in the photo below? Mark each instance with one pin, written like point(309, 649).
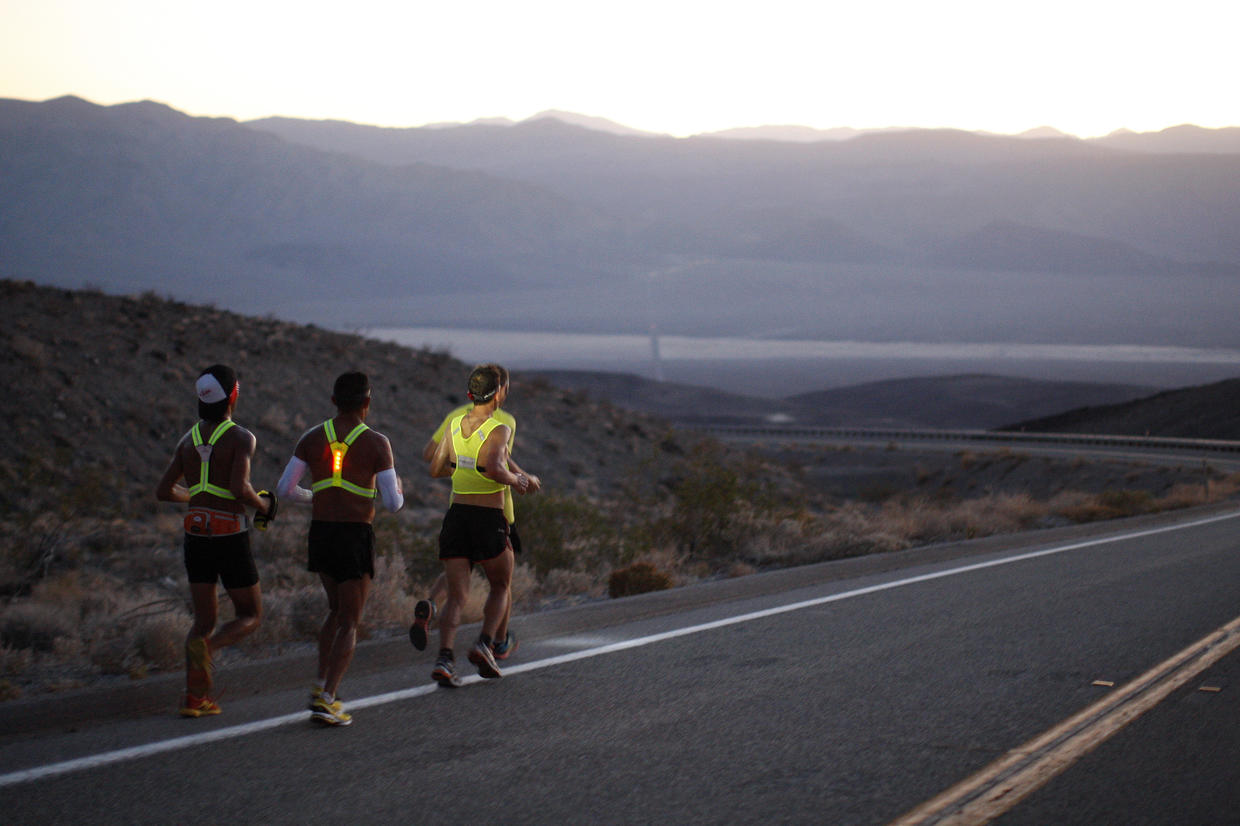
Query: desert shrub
point(561, 584)
point(1110, 504)
point(13, 661)
point(878, 492)
point(34, 625)
point(160, 641)
point(710, 498)
point(638, 578)
point(1126, 502)
point(111, 656)
point(420, 550)
point(853, 529)
point(990, 515)
point(389, 604)
point(1184, 496)
point(524, 584)
point(564, 532)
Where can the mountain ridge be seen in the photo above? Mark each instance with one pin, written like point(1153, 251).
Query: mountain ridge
point(958, 402)
point(571, 229)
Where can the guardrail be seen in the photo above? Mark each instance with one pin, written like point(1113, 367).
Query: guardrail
point(995, 436)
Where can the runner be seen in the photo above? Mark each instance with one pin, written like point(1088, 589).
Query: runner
point(474, 452)
point(347, 461)
point(424, 612)
point(213, 460)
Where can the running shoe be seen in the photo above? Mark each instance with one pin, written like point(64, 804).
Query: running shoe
point(481, 656)
point(445, 672)
point(198, 706)
point(316, 692)
point(423, 613)
point(331, 714)
point(503, 649)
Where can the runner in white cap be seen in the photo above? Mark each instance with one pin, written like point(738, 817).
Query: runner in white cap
point(210, 470)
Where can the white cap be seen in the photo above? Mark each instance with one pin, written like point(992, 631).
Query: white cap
point(209, 389)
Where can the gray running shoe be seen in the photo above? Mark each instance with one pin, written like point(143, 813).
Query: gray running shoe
point(481, 656)
point(445, 672)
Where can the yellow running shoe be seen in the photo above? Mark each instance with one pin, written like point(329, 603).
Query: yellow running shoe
point(198, 706)
point(316, 692)
point(331, 714)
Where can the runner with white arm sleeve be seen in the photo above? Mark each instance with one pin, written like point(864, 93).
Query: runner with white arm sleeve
point(349, 465)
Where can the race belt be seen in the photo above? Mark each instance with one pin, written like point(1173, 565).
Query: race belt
point(210, 522)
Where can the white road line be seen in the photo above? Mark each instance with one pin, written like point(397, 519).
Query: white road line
point(188, 741)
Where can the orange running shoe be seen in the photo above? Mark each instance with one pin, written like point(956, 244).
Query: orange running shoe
point(198, 706)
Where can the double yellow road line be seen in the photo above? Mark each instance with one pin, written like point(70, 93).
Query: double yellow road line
point(1004, 783)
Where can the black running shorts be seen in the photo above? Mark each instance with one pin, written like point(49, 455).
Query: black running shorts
point(342, 550)
point(474, 532)
point(226, 559)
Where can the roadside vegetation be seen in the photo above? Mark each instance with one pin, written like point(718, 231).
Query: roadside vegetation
point(89, 596)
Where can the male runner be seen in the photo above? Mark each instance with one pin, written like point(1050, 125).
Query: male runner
point(424, 611)
point(213, 459)
point(347, 462)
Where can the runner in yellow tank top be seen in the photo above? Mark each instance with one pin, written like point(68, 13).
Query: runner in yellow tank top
point(425, 610)
point(475, 531)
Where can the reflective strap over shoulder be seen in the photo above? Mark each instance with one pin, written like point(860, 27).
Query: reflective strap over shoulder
point(339, 449)
point(204, 453)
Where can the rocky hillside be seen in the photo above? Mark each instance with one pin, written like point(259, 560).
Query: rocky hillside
point(100, 388)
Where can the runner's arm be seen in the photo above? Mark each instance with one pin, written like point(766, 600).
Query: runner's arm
point(535, 484)
point(441, 462)
point(389, 489)
point(494, 456)
point(169, 488)
point(239, 473)
point(428, 451)
point(288, 489)
point(386, 479)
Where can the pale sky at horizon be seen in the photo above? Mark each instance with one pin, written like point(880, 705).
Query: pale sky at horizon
point(672, 66)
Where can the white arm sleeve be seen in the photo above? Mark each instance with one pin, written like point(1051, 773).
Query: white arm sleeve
point(288, 489)
point(389, 489)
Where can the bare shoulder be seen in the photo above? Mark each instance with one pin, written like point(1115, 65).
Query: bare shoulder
point(241, 437)
point(380, 447)
point(379, 440)
point(308, 439)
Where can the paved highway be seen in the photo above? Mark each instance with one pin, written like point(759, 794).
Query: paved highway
point(861, 691)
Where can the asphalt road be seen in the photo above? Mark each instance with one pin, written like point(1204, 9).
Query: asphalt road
point(842, 693)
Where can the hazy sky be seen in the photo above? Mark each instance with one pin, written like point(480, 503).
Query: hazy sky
point(676, 66)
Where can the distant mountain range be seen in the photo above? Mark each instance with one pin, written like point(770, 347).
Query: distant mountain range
point(546, 224)
point(1185, 138)
point(972, 402)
